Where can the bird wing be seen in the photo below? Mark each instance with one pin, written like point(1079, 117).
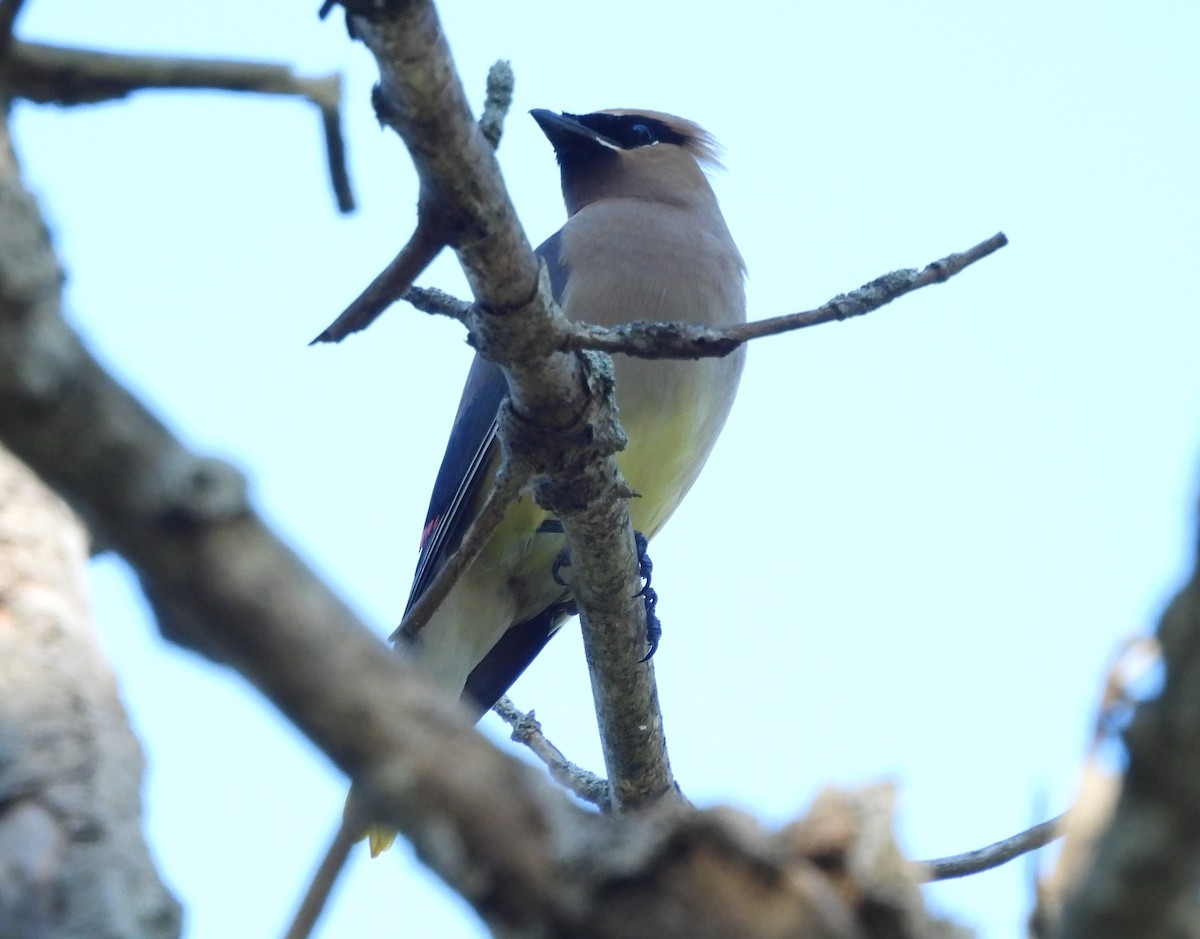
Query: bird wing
point(469, 463)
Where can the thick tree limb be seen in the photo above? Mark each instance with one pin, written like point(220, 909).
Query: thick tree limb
point(48, 74)
point(224, 584)
point(73, 861)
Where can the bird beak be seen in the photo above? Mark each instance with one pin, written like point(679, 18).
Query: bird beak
point(567, 135)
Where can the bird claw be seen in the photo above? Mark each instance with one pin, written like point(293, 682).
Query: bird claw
point(653, 625)
point(645, 570)
point(561, 560)
point(649, 596)
point(553, 526)
point(645, 565)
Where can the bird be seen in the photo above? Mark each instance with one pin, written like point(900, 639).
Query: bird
point(644, 240)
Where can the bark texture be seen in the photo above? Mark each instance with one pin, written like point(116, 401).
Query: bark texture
point(72, 858)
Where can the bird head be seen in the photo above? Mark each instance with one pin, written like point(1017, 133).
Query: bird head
point(630, 154)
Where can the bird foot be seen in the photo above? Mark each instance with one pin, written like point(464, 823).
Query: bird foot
point(561, 560)
point(649, 597)
point(645, 570)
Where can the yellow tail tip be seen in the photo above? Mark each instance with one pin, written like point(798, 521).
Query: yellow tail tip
point(380, 839)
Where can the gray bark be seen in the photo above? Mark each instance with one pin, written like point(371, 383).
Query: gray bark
point(73, 861)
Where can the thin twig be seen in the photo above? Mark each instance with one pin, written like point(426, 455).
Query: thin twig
point(335, 153)
point(392, 283)
point(510, 480)
point(527, 730)
point(689, 341)
point(983, 859)
point(321, 885)
point(432, 300)
point(396, 280)
point(48, 74)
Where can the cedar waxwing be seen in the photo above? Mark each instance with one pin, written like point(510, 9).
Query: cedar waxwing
point(644, 240)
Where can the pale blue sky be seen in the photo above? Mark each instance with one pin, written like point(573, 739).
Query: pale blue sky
point(923, 532)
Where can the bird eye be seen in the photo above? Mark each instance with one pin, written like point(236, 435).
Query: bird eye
point(641, 135)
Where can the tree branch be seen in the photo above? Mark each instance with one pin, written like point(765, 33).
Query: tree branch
point(223, 584)
point(73, 858)
point(312, 904)
point(48, 74)
point(527, 730)
point(984, 859)
point(1098, 788)
point(433, 300)
point(692, 341)
point(432, 232)
point(425, 243)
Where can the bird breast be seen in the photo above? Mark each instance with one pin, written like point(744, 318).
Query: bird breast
point(669, 263)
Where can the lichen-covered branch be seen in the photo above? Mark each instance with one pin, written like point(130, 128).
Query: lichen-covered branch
point(696, 341)
point(693, 341)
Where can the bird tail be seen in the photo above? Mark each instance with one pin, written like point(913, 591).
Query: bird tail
point(378, 837)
